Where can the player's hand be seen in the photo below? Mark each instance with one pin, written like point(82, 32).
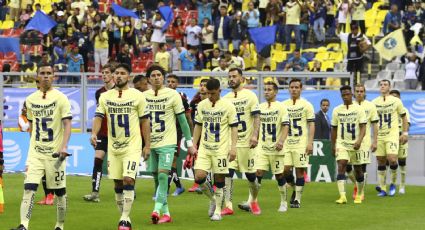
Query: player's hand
point(192, 150)
point(93, 140)
point(253, 142)
point(374, 146)
point(357, 145)
point(403, 139)
point(309, 149)
point(232, 155)
point(279, 146)
point(146, 152)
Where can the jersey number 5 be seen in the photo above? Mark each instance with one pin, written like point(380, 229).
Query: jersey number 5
point(43, 123)
point(295, 126)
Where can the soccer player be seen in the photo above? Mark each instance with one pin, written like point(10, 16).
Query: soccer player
point(247, 111)
point(215, 120)
point(141, 83)
point(389, 110)
point(299, 144)
point(274, 123)
point(125, 109)
point(173, 83)
point(166, 107)
point(50, 111)
point(347, 133)
point(102, 136)
point(370, 140)
point(402, 152)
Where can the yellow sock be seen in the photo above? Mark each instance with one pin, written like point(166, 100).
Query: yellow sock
point(393, 176)
point(341, 187)
point(402, 175)
point(381, 179)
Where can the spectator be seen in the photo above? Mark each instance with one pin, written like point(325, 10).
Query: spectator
point(223, 68)
point(322, 122)
point(81, 5)
point(144, 17)
point(343, 15)
point(114, 25)
point(263, 57)
point(263, 13)
point(296, 63)
point(317, 67)
point(175, 54)
point(319, 20)
point(247, 53)
point(75, 64)
point(129, 4)
point(252, 16)
point(304, 26)
point(73, 25)
point(14, 8)
point(146, 45)
point(193, 33)
point(188, 59)
point(86, 46)
point(332, 83)
point(409, 19)
point(411, 75)
point(392, 20)
point(178, 30)
point(124, 56)
point(238, 28)
point(3, 9)
point(59, 54)
point(89, 17)
point(75, 14)
point(238, 61)
point(215, 58)
point(24, 18)
point(358, 14)
point(207, 33)
point(61, 28)
point(162, 57)
point(221, 29)
point(204, 10)
point(158, 36)
point(129, 34)
point(293, 13)
point(99, 38)
point(273, 9)
point(330, 18)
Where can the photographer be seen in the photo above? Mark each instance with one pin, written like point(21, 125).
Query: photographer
point(100, 39)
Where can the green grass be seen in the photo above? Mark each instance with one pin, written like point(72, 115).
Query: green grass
point(189, 211)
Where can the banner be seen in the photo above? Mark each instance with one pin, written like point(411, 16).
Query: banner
point(392, 45)
point(41, 22)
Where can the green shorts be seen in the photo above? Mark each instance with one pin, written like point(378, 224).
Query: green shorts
point(161, 158)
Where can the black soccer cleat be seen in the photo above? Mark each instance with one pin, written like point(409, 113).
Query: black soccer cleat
point(57, 228)
point(244, 206)
point(292, 197)
point(124, 225)
point(296, 204)
point(20, 227)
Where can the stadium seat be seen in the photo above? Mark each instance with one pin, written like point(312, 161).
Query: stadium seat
point(313, 50)
point(399, 75)
point(373, 31)
point(7, 24)
point(327, 65)
point(7, 32)
point(310, 65)
point(371, 84)
point(322, 56)
point(336, 56)
point(10, 56)
point(380, 17)
point(333, 46)
point(399, 85)
point(383, 74)
point(392, 67)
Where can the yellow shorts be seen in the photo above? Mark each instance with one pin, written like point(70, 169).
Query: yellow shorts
point(365, 156)
point(354, 157)
point(37, 168)
point(387, 147)
point(217, 164)
point(402, 151)
point(245, 160)
point(123, 165)
point(296, 158)
point(272, 162)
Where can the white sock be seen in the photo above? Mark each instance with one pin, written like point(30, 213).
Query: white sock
point(218, 200)
point(253, 190)
point(61, 204)
point(128, 203)
point(228, 192)
point(119, 199)
point(282, 190)
point(26, 207)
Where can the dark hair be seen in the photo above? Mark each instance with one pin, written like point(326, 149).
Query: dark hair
point(175, 21)
point(173, 76)
point(297, 50)
point(124, 66)
point(236, 69)
point(275, 87)
point(44, 65)
point(296, 80)
point(161, 45)
point(213, 84)
point(209, 21)
point(109, 66)
point(394, 91)
point(345, 87)
point(153, 68)
point(138, 78)
point(324, 100)
point(267, 67)
point(389, 83)
point(235, 52)
point(205, 80)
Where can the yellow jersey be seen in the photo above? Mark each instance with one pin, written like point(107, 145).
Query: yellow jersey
point(371, 117)
point(389, 110)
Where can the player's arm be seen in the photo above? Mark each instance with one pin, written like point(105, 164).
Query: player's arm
point(186, 132)
point(334, 130)
point(234, 137)
point(189, 121)
point(362, 132)
point(403, 137)
point(283, 136)
point(253, 141)
point(375, 136)
point(146, 133)
point(197, 132)
point(309, 149)
point(66, 122)
point(97, 122)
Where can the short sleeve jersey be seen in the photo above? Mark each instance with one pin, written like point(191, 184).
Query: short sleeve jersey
point(272, 116)
point(389, 109)
point(400, 125)
point(164, 105)
point(216, 120)
point(46, 114)
point(123, 110)
point(371, 117)
point(347, 121)
point(246, 104)
point(300, 113)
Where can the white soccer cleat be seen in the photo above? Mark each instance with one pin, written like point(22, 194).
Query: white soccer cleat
point(211, 210)
point(216, 217)
point(283, 207)
point(401, 190)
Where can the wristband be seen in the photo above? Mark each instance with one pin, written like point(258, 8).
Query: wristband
point(406, 133)
point(189, 143)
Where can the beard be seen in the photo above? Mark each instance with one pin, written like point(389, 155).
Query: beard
point(122, 84)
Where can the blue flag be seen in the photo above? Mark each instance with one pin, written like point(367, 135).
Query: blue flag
point(41, 22)
point(263, 36)
point(123, 12)
point(168, 15)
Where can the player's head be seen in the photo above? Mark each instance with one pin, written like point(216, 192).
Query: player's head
point(384, 86)
point(203, 88)
point(156, 75)
point(346, 94)
point(324, 105)
point(360, 92)
point(395, 93)
point(213, 90)
point(141, 83)
point(121, 75)
point(107, 73)
point(235, 78)
point(45, 75)
point(172, 81)
point(270, 91)
point(295, 87)
point(24, 109)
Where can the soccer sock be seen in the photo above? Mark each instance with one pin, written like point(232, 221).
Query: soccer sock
point(351, 176)
point(97, 174)
point(393, 173)
point(61, 203)
point(26, 207)
point(176, 178)
point(207, 190)
point(155, 180)
point(282, 189)
point(219, 197)
point(381, 177)
point(360, 185)
point(402, 176)
point(228, 192)
point(341, 178)
point(364, 183)
point(119, 199)
point(299, 185)
point(128, 195)
point(165, 210)
point(161, 197)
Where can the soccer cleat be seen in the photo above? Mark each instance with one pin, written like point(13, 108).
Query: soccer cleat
point(20, 227)
point(193, 188)
point(392, 190)
point(216, 217)
point(226, 212)
point(378, 189)
point(93, 197)
point(155, 217)
point(355, 192)
point(283, 207)
point(198, 190)
point(382, 193)
point(57, 228)
point(244, 206)
point(178, 191)
point(165, 219)
point(211, 210)
point(401, 190)
point(42, 202)
point(296, 204)
point(124, 225)
point(341, 200)
point(358, 200)
point(50, 199)
point(292, 197)
point(255, 208)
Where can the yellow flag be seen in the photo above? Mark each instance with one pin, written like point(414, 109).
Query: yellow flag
point(391, 45)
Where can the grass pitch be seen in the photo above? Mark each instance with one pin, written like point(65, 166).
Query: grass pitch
point(189, 211)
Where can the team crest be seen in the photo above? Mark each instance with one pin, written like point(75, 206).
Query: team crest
point(390, 43)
